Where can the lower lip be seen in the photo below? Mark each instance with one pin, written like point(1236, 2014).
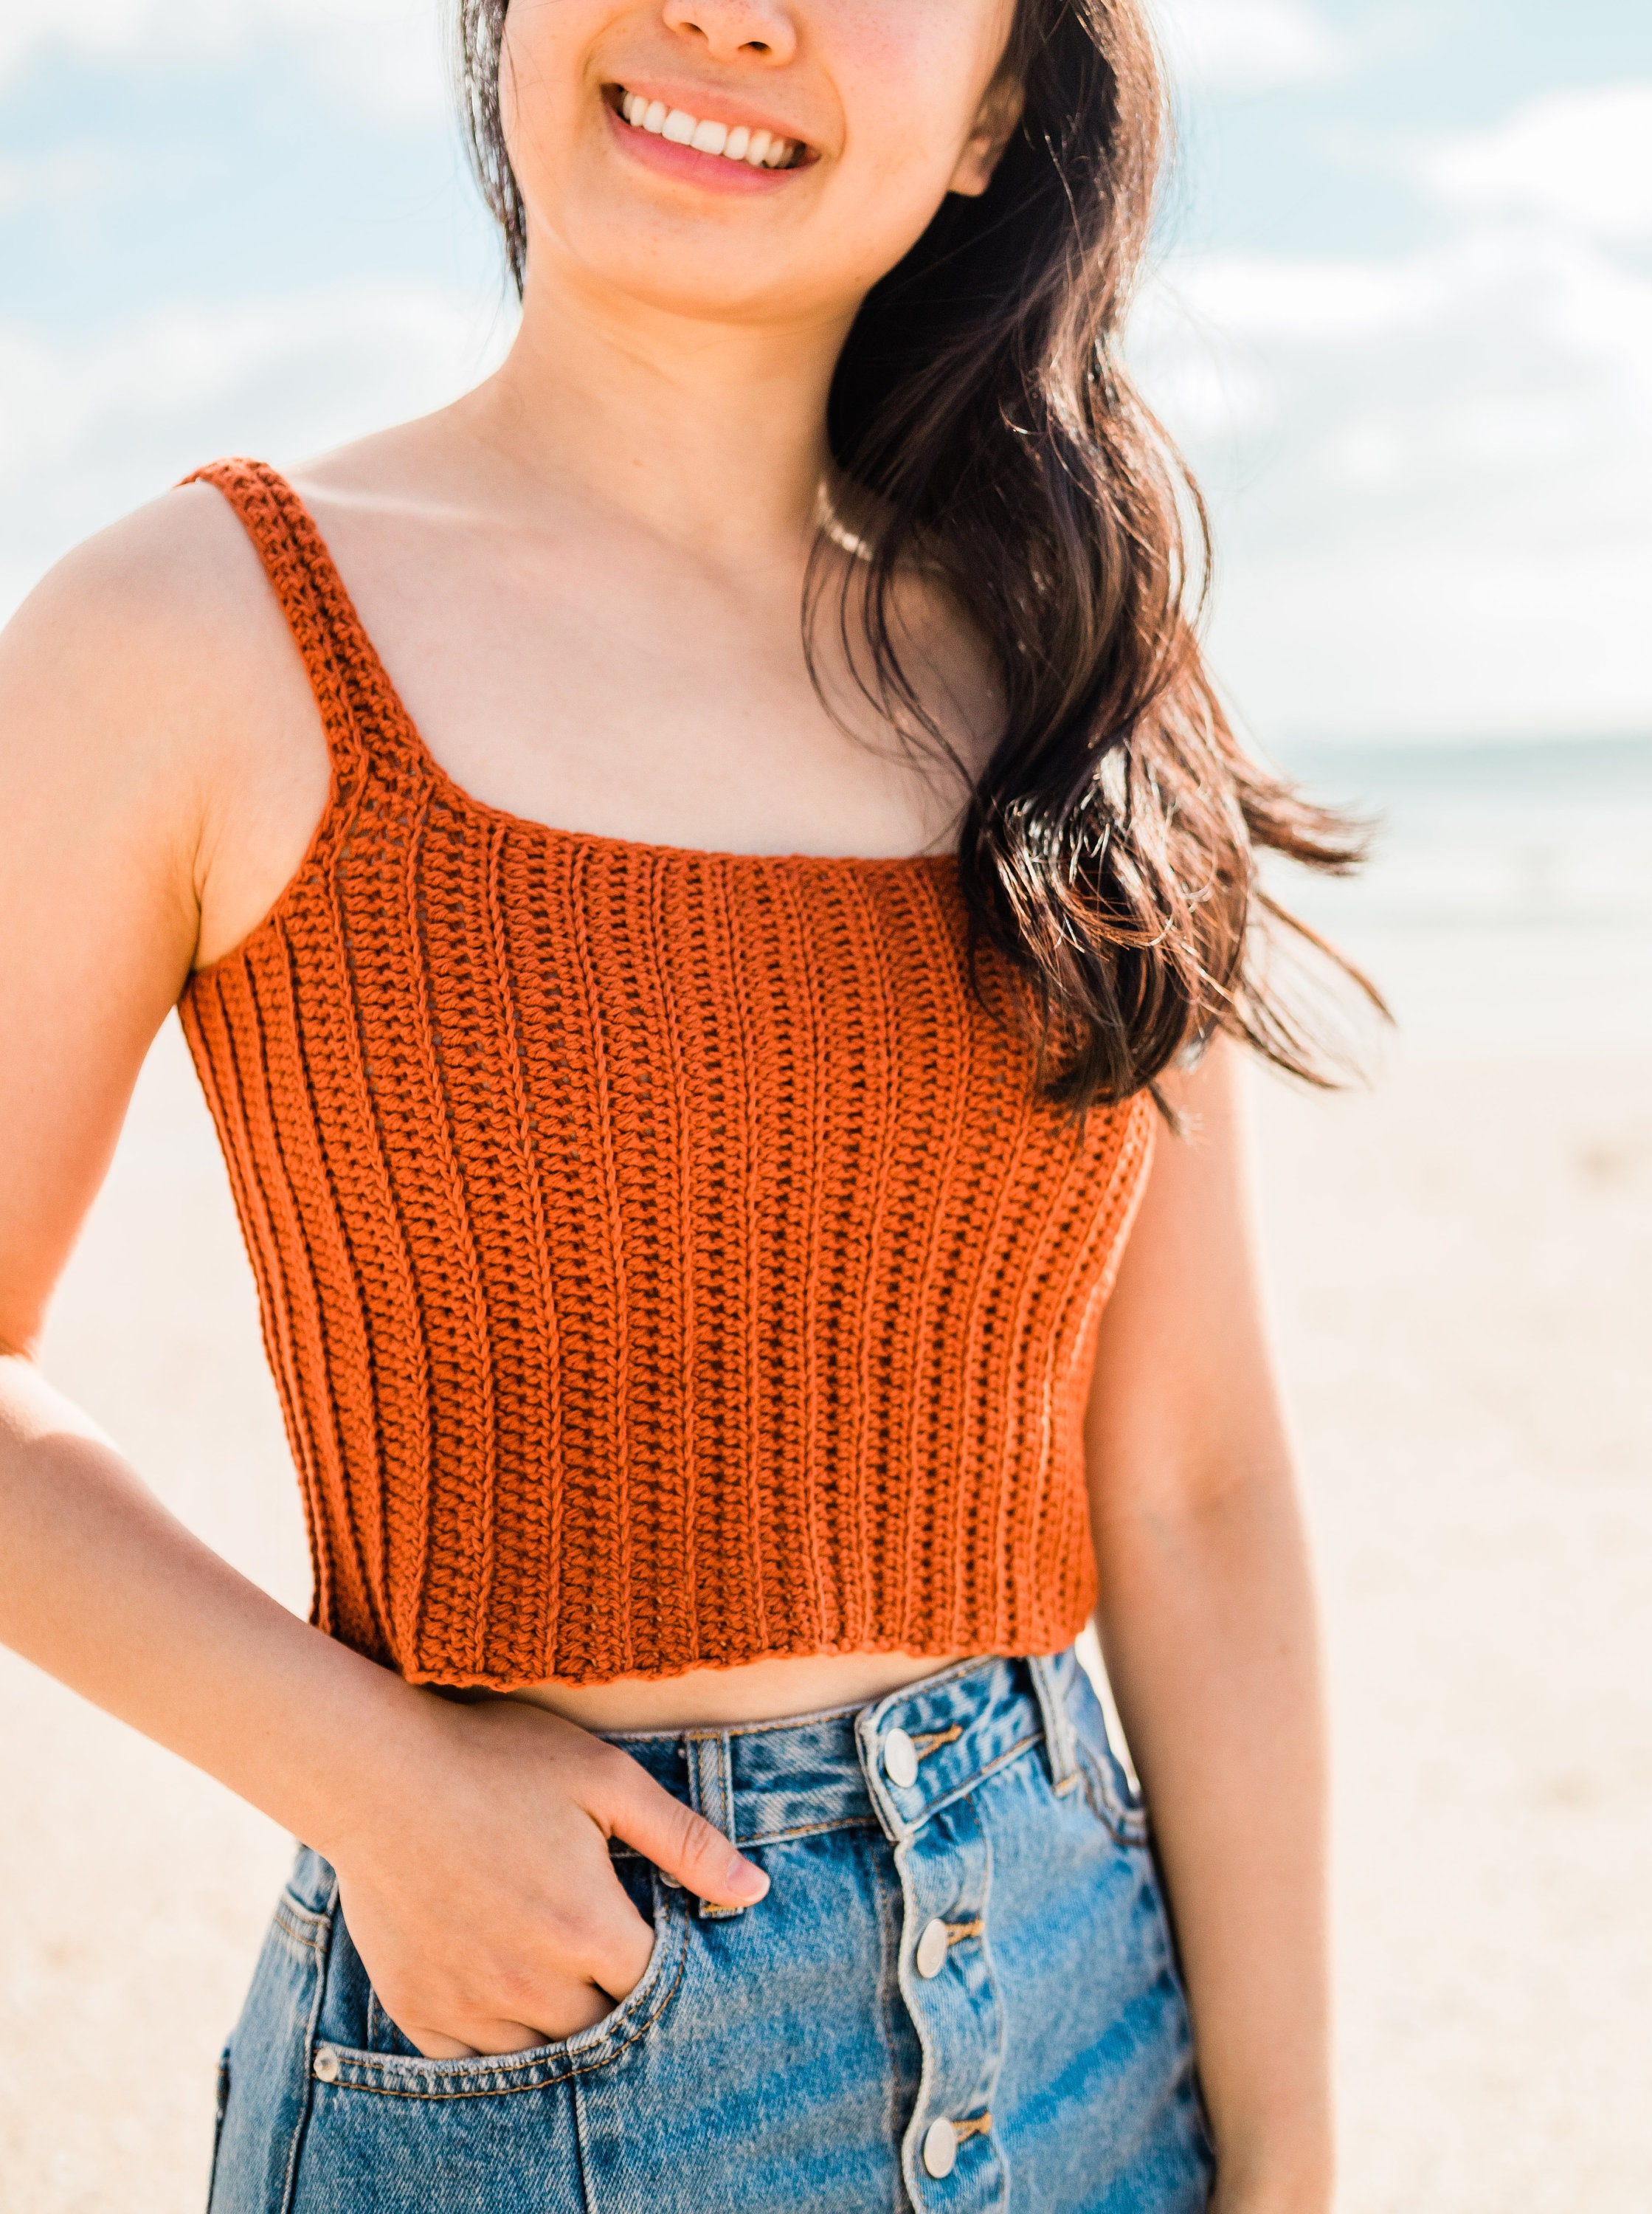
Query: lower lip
point(712, 173)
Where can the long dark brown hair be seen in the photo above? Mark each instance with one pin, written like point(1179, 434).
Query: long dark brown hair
point(982, 412)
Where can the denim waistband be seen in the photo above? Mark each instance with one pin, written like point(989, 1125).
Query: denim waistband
point(892, 1764)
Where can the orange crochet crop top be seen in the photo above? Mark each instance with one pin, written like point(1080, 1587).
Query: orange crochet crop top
point(664, 1257)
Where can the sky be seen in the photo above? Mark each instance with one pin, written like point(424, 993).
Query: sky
point(1399, 316)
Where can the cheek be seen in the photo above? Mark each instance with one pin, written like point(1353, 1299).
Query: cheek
point(911, 76)
point(539, 82)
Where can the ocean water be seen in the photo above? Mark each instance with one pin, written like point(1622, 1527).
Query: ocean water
point(1509, 899)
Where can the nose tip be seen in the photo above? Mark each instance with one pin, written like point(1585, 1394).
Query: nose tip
point(731, 27)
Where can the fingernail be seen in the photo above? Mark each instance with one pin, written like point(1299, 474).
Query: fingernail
point(745, 1878)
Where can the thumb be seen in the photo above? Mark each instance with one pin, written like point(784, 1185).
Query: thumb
point(679, 1841)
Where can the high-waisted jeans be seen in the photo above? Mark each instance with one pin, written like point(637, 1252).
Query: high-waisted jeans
point(960, 1994)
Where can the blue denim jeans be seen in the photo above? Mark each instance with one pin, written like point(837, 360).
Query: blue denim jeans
point(960, 1994)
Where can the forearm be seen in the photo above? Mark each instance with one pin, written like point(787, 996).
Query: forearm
point(1208, 1624)
point(101, 1587)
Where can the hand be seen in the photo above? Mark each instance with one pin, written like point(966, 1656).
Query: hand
point(480, 1895)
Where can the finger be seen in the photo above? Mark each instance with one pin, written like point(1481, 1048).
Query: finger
point(432, 2043)
point(492, 2037)
point(676, 1838)
point(621, 1955)
point(574, 2011)
point(615, 1941)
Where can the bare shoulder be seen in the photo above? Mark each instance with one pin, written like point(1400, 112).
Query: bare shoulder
point(151, 696)
point(160, 767)
point(173, 585)
point(132, 656)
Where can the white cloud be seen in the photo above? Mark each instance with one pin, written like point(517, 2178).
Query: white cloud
point(89, 431)
point(62, 178)
point(1583, 156)
point(1403, 638)
point(1505, 292)
point(1246, 45)
point(1427, 473)
point(1317, 300)
point(1428, 468)
point(1506, 302)
point(392, 50)
point(389, 52)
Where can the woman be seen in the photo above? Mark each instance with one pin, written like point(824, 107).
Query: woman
point(688, 1057)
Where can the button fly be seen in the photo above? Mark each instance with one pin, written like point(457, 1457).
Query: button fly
point(939, 2147)
point(933, 1947)
point(900, 1760)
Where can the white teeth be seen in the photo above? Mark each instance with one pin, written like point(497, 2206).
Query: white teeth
point(759, 149)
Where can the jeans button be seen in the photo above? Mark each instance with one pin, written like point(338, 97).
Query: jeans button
point(900, 1760)
point(933, 1947)
point(939, 2147)
point(325, 2066)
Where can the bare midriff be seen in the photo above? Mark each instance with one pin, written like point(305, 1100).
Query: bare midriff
point(760, 1691)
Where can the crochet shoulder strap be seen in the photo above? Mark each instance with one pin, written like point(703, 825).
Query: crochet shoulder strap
point(360, 711)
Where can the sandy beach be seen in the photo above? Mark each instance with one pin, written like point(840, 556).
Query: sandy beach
point(1459, 1262)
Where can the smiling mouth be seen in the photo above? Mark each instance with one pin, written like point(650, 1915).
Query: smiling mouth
point(758, 150)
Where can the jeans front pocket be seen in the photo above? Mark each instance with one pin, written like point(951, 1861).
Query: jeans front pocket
point(386, 2063)
point(389, 2130)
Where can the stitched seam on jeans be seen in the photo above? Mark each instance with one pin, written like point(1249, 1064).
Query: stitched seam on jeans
point(981, 1776)
point(289, 1902)
point(581, 2162)
point(866, 1821)
point(295, 2142)
point(1126, 1825)
point(543, 2072)
point(296, 1937)
point(302, 1923)
point(890, 1915)
point(928, 1741)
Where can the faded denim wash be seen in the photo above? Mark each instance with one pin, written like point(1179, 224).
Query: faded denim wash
point(960, 1994)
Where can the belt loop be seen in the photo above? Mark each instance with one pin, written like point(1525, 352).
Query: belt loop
point(1051, 1691)
point(711, 1793)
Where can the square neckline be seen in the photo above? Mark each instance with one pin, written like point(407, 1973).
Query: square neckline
point(364, 655)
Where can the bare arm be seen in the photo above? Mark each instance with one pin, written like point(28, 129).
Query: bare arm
point(471, 1841)
point(1208, 1624)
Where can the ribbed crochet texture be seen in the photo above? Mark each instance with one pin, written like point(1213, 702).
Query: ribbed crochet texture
point(664, 1258)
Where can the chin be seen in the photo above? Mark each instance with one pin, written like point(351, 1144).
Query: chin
point(703, 270)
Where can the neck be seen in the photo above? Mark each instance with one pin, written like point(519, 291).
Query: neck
point(710, 433)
